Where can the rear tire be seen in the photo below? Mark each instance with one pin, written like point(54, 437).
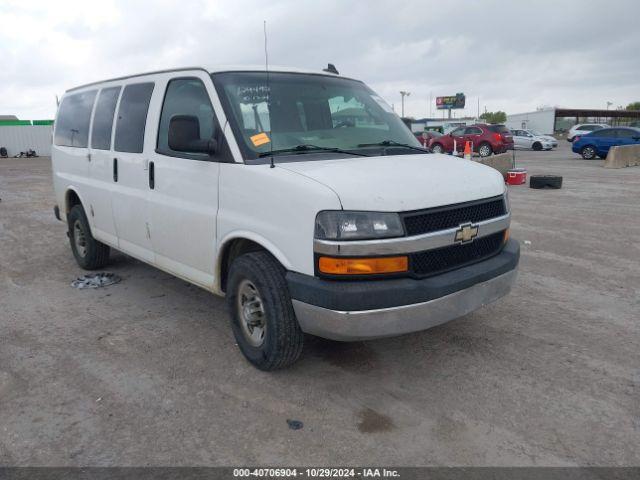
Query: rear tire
point(485, 149)
point(262, 317)
point(89, 253)
point(588, 152)
point(437, 148)
point(537, 146)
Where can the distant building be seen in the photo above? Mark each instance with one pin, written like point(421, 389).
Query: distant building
point(22, 135)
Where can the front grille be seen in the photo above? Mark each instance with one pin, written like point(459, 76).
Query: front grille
point(439, 260)
point(451, 216)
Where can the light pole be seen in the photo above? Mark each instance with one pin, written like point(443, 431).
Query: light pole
point(404, 94)
point(609, 104)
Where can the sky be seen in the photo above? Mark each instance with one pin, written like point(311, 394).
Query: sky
point(514, 56)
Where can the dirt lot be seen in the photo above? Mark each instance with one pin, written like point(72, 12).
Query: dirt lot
point(146, 372)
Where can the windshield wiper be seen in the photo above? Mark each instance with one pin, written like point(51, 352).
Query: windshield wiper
point(305, 148)
point(392, 143)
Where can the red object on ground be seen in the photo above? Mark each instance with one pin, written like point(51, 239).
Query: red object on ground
point(517, 176)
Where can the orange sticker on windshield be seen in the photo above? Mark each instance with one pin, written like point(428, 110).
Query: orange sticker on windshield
point(260, 139)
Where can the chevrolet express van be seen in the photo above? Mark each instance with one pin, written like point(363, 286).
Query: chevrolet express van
point(300, 196)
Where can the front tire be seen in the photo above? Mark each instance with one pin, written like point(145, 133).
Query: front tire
point(437, 148)
point(262, 317)
point(89, 253)
point(588, 152)
point(537, 146)
point(485, 150)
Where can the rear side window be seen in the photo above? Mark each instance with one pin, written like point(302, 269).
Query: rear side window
point(624, 133)
point(103, 118)
point(473, 131)
point(74, 115)
point(499, 129)
point(132, 117)
point(186, 96)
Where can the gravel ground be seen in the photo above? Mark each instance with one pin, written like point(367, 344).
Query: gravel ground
point(146, 372)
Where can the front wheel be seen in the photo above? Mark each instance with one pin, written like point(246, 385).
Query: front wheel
point(537, 146)
point(437, 148)
point(89, 253)
point(588, 152)
point(262, 317)
point(485, 150)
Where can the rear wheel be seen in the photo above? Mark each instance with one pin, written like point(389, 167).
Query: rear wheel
point(485, 150)
point(588, 152)
point(537, 146)
point(88, 252)
point(437, 148)
point(262, 317)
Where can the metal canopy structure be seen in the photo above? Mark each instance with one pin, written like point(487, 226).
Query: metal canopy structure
point(585, 115)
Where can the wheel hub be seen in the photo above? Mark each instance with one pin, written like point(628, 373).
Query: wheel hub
point(79, 239)
point(252, 314)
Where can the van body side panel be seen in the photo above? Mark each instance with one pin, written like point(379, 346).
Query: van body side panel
point(277, 205)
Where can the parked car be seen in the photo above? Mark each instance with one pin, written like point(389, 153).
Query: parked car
point(485, 139)
point(599, 142)
point(242, 182)
point(549, 138)
point(424, 137)
point(524, 139)
point(583, 129)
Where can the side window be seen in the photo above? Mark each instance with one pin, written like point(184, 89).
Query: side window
point(458, 132)
point(624, 133)
point(132, 117)
point(74, 115)
point(103, 118)
point(473, 131)
point(186, 96)
point(607, 133)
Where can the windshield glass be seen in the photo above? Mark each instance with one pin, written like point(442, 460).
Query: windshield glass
point(287, 110)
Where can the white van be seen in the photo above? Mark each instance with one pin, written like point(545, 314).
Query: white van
point(300, 196)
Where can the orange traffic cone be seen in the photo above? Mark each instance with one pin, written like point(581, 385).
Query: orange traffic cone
point(467, 150)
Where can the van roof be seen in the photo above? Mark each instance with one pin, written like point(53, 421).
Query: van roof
point(216, 69)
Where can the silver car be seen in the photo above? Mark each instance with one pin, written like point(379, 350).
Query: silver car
point(524, 139)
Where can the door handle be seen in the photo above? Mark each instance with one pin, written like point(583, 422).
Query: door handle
point(152, 176)
point(115, 169)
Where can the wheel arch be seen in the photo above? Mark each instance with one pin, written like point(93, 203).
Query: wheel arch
point(71, 198)
point(239, 243)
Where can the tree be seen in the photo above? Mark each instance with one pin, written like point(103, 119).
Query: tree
point(634, 106)
point(494, 117)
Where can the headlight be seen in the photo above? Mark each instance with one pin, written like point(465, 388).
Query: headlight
point(506, 200)
point(346, 225)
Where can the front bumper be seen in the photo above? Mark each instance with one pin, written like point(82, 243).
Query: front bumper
point(361, 310)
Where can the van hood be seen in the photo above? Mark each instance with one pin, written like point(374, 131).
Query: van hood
point(399, 183)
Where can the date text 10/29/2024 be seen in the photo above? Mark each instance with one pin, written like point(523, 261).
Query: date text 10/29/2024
point(315, 473)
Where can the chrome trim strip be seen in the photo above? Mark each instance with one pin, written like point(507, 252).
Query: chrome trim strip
point(386, 322)
point(417, 243)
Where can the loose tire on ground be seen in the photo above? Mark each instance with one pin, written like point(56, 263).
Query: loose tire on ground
point(258, 298)
point(88, 252)
point(545, 181)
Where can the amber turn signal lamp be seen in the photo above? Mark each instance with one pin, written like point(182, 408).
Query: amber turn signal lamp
point(362, 266)
point(507, 233)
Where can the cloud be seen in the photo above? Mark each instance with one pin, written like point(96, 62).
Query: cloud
point(513, 56)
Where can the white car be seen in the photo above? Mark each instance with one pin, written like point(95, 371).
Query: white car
point(549, 138)
point(524, 139)
point(300, 196)
point(584, 128)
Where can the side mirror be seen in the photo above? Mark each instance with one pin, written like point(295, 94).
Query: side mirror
point(184, 136)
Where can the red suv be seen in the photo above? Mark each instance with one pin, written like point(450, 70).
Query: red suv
point(485, 139)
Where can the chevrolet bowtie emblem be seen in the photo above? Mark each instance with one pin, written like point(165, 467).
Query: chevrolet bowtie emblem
point(466, 233)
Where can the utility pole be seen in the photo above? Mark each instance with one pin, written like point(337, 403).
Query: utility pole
point(404, 94)
point(609, 104)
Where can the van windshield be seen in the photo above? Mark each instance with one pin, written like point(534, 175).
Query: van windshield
point(289, 110)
